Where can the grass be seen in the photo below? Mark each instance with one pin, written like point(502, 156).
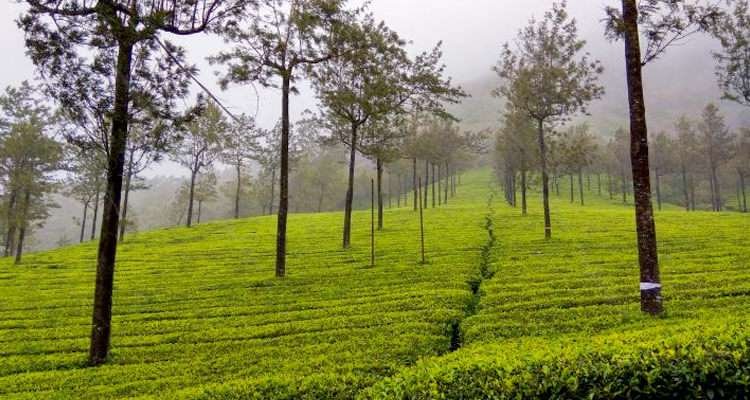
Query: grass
point(198, 313)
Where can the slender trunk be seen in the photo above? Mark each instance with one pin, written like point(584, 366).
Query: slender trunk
point(624, 186)
point(124, 209)
point(599, 183)
point(96, 211)
point(580, 185)
point(717, 188)
point(692, 191)
point(11, 220)
point(83, 221)
point(191, 198)
point(390, 189)
point(610, 187)
point(588, 183)
point(685, 190)
point(379, 167)
point(22, 225)
point(421, 221)
point(658, 188)
point(200, 206)
point(398, 190)
point(713, 190)
point(238, 190)
point(372, 220)
point(572, 189)
point(433, 185)
point(545, 183)
point(105, 266)
point(524, 208)
point(426, 182)
point(742, 190)
point(447, 180)
point(350, 189)
point(284, 179)
point(651, 301)
point(273, 191)
point(321, 194)
point(414, 181)
point(439, 185)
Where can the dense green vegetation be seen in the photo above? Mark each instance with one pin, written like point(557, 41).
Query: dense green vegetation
point(198, 312)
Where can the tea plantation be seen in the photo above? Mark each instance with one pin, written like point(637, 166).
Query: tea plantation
point(496, 312)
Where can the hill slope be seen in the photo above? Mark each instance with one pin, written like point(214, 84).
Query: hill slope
point(198, 313)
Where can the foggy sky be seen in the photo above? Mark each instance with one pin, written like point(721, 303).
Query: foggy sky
point(472, 33)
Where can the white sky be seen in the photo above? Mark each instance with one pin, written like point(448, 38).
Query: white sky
point(472, 32)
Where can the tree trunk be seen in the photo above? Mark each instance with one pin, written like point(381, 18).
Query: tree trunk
point(273, 191)
point(624, 189)
point(105, 268)
point(96, 211)
point(545, 183)
point(742, 190)
point(610, 187)
point(22, 225)
point(657, 175)
point(717, 189)
point(572, 190)
point(191, 197)
point(124, 209)
point(433, 184)
point(524, 208)
point(379, 167)
point(11, 218)
point(399, 190)
point(685, 190)
point(599, 183)
point(372, 219)
point(692, 191)
point(651, 301)
point(238, 190)
point(580, 185)
point(421, 221)
point(350, 189)
point(426, 182)
point(414, 181)
point(439, 185)
point(390, 190)
point(284, 179)
point(200, 206)
point(447, 180)
point(83, 221)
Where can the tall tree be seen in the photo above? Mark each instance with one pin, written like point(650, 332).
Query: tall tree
point(687, 154)
point(282, 40)
point(733, 69)
point(69, 37)
point(549, 78)
point(718, 144)
point(200, 146)
point(661, 161)
point(742, 165)
point(374, 82)
point(662, 23)
point(239, 148)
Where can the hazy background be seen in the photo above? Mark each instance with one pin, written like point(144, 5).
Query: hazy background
point(472, 32)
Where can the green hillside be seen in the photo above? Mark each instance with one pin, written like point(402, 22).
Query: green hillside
point(198, 312)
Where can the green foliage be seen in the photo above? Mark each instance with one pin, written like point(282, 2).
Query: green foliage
point(198, 313)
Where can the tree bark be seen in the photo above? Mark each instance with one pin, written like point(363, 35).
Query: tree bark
point(22, 226)
point(372, 220)
point(193, 175)
point(447, 180)
point(744, 194)
point(124, 209)
point(572, 189)
point(105, 268)
point(685, 190)
point(273, 191)
point(580, 185)
point(83, 221)
point(238, 190)
point(200, 206)
point(426, 182)
point(421, 221)
point(651, 300)
point(96, 211)
point(414, 181)
point(11, 218)
point(434, 181)
point(379, 166)
point(439, 184)
point(284, 181)
point(657, 175)
point(523, 190)
point(350, 188)
point(545, 180)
